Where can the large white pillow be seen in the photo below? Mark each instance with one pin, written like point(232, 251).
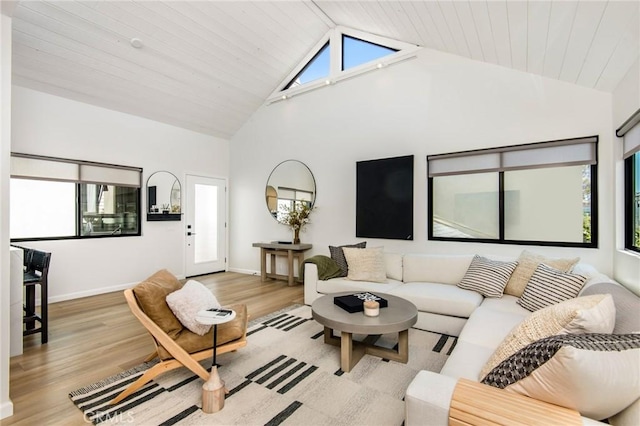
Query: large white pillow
point(366, 264)
point(595, 374)
point(186, 302)
point(588, 314)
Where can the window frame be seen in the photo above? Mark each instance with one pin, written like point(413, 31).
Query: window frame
point(78, 196)
point(501, 203)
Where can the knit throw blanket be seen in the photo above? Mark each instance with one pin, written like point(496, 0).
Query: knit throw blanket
point(327, 267)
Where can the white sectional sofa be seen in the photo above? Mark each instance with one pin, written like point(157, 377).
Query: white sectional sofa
point(481, 324)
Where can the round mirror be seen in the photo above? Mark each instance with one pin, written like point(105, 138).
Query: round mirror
point(163, 196)
point(290, 182)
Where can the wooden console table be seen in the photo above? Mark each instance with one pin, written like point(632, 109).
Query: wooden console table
point(274, 249)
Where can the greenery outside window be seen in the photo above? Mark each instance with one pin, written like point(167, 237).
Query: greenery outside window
point(540, 194)
point(54, 198)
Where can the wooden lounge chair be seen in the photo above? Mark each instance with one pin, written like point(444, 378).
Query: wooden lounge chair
point(175, 345)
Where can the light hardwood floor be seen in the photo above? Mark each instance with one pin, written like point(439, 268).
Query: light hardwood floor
point(95, 337)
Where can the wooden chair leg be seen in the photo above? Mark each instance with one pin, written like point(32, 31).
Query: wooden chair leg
point(142, 380)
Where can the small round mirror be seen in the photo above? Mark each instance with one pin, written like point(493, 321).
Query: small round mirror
point(290, 182)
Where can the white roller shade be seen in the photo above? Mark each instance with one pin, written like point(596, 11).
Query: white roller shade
point(109, 176)
point(632, 141)
point(44, 169)
point(476, 163)
point(580, 151)
point(49, 168)
point(563, 155)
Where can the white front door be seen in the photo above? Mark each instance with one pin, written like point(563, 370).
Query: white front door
point(205, 225)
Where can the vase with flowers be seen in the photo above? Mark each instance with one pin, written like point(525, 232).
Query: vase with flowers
point(296, 217)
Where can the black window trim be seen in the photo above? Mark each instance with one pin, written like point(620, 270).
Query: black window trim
point(78, 231)
point(501, 212)
point(629, 200)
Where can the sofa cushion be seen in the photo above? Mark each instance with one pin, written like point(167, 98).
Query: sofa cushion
point(336, 285)
point(466, 360)
point(186, 302)
point(527, 264)
point(488, 327)
point(596, 374)
point(487, 277)
point(365, 264)
point(549, 286)
point(338, 255)
point(151, 295)
point(227, 332)
point(434, 268)
point(506, 303)
point(438, 298)
point(590, 314)
point(393, 265)
point(627, 306)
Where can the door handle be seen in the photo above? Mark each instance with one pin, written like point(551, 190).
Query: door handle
point(191, 233)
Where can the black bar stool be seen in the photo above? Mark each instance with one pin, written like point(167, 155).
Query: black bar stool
point(36, 273)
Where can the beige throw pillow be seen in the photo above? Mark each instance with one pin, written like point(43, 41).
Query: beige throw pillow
point(365, 264)
point(527, 264)
point(589, 314)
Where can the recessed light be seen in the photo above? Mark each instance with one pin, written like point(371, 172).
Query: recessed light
point(136, 42)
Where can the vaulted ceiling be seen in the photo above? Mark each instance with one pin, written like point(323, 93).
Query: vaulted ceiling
point(208, 65)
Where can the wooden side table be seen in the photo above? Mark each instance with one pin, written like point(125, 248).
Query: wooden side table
point(274, 249)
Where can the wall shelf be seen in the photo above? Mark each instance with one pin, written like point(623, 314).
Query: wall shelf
point(156, 217)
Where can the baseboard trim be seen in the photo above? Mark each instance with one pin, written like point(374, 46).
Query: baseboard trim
point(244, 271)
point(6, 409)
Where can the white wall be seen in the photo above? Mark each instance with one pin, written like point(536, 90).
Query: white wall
point(626, 101)
point(436, 103)
point(49, 125)
point(6, 406)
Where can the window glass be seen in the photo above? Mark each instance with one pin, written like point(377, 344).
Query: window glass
point(317, 68)
point(548, 204)
point(108, 210)
point(357, 52)
point(633, 202)
point(40, 209)
point(466, 206)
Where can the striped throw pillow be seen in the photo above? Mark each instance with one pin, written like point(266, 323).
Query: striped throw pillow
point(338, 256)
point(487, 277)
point(549, 286)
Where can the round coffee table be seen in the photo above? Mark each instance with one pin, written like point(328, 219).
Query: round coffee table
point(398, 317)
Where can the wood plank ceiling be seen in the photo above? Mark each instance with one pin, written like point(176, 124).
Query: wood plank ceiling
point(208, 65)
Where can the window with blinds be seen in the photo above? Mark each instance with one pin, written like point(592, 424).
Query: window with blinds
point(55, 198)
point(540, 193)
point(630, 131)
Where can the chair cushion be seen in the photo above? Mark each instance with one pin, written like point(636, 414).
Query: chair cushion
point(151, 295)
point(227, 332)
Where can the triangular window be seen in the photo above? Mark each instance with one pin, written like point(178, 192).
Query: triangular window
point(316, 68)
point(357, 52)
point(341, 54)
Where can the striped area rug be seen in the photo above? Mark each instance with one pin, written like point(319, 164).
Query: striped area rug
point(285, 375)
